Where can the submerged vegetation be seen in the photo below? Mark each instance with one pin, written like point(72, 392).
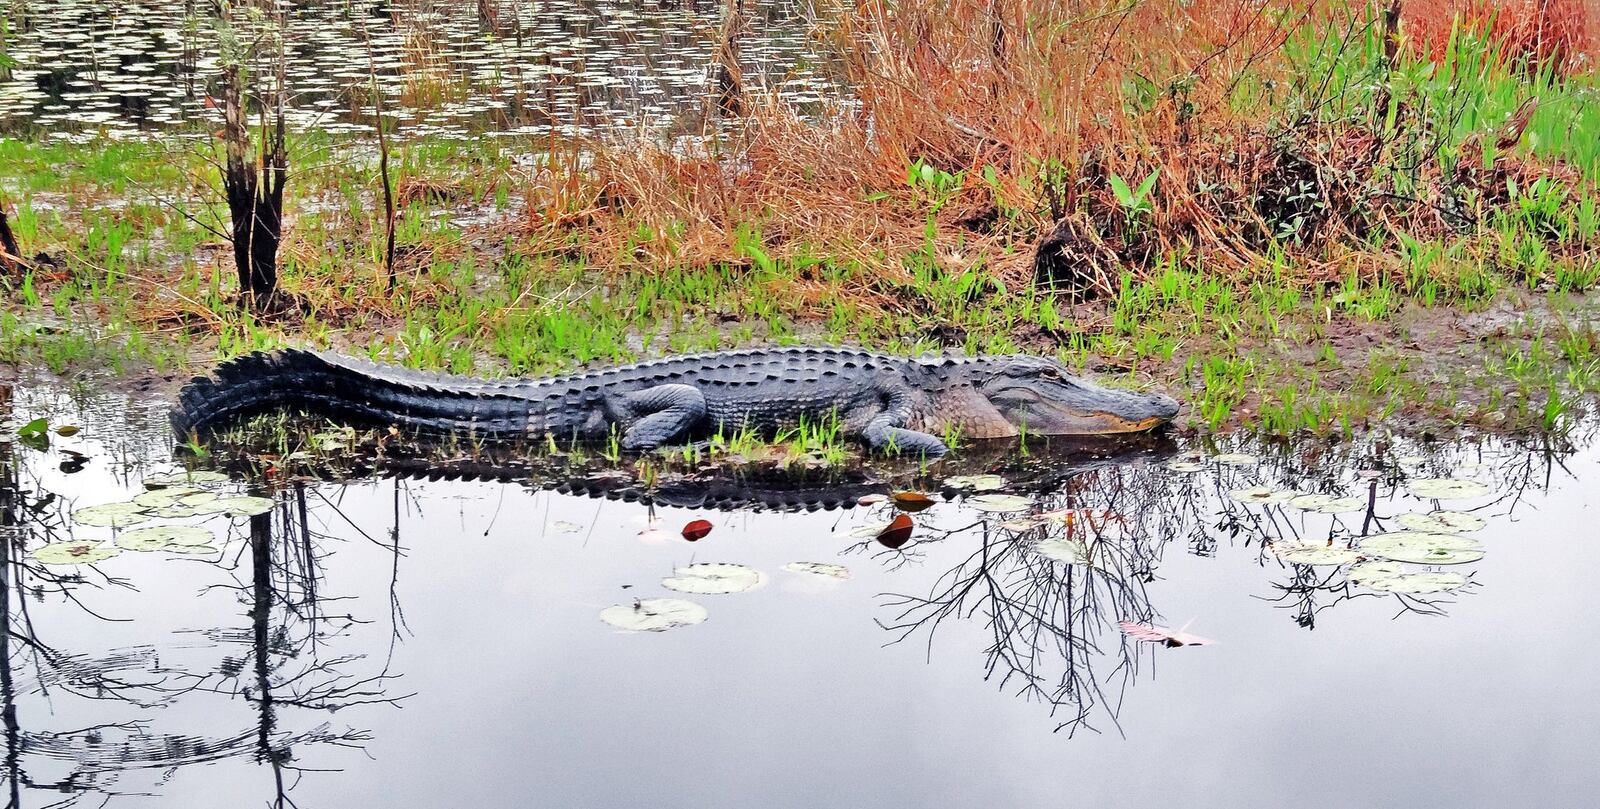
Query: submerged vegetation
point(1293, 215)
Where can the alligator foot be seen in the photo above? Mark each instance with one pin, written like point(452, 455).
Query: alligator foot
point(659, 415)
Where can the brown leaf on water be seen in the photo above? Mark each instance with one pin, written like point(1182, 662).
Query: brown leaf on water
point(696, 530)
point(66, 430)
point(912, 502)
point(897, 534)
point(1161, 634)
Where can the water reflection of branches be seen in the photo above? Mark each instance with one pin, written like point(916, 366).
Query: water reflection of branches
point(1047, 621)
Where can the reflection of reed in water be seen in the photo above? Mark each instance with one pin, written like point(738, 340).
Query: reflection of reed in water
point(287, 659)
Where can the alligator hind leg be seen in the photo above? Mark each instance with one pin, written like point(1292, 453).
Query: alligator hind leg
point(884, 434)
point(659, 415)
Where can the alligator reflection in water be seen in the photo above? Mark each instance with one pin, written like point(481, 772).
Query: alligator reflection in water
point(1034, 587)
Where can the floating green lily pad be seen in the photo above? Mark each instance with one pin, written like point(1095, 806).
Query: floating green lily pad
point(237, 506)
point(191, 550)
point(1447, 488)
point(1236, 459)
point(653, 615)
point(1390, 577)
point(1000, 503)
point(713, 578)
point(157, 498)
point(173, 512)
point(111, 515)
point(1443, 522)
point(977, 483)
point(1329, 504)
point(1423, 547)
point(181, 477)
point(831, 571)
point(1307, 554)
point(76, 552)
point(1261, 495)
point(164, 537)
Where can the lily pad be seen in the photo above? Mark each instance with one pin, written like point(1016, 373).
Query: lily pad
point(1187, 466)
point(1423, 547)
point(1071, 551)
point(1236, 459)
point(1328, 504)
point(1391, 577)
point(111, 515)
point(237, 506)
point(164, 537)
point(653, 615)
point(191, 550)
point(76, 552)
point(819, 569)
point(156, 498)
point(1443, 522)
point(1262, 495)
point(1307, 554)
point(1000, 503)
point(713, 578)
point(182, 477)
point(1447, 488)
point(977, 483)
point(173, 512)
point(869, 530)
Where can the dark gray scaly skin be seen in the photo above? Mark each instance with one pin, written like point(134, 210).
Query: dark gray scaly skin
point(894, 404)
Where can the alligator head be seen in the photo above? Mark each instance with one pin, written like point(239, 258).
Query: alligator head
point(1003, 396)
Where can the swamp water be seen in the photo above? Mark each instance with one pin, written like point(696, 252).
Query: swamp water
point(120, 68)
point(431, 641)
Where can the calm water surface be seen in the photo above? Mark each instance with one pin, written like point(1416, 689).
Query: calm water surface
point(131, 68)
point(415, 642)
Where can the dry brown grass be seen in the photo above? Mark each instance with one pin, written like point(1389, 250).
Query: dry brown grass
point(1052, 98)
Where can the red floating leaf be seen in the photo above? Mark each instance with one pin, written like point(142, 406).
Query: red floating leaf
point(696, 530)
point(898, 533)
point(1161, 634)
point(911, 501)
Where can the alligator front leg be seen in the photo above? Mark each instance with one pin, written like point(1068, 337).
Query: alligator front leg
point(887, 433)
point(657, 416)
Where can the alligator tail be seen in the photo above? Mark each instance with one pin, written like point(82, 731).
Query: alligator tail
point(349, 389)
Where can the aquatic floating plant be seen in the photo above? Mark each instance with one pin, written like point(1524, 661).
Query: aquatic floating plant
point(654, 615)
point(1310, 554)
point(976, 483)
point(76, 552)
point(1329, 504)
point(826, 569)
point(111, 515)
point(1000, 503)
point(1390, 577)
point(1447, 488)
point(1442, 522)
point(1423, 548)
point(713, 578)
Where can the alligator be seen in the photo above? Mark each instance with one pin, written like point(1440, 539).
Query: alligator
point(894, 404)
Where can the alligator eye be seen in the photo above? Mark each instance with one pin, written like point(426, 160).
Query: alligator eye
point(1048, 373)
